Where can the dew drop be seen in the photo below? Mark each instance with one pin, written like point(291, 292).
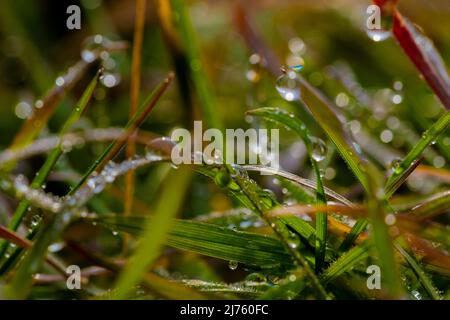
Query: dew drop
point(287, 86)
point(110, 80)
point(60, 81)
point(232, 265)
point(23, 110)
point(92, 46)
point(35, 220)
point(378, 35)
point(319, 149)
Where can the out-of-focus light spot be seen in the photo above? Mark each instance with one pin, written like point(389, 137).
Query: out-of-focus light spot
point(393, 123)
point(39, 104)
point(398, 85)
point(253, 76)
point(386, 136)
point(330, 173)
point(255, 58)
point(59, 81)
point(439, 162)
point(397, 99)
point(23, 110)
point(296, 45)
point(355, 126)
point(342, 100)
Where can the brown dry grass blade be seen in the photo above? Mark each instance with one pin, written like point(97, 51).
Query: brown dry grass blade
point(26, 244)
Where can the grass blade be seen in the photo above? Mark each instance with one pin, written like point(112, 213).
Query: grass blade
point(425, 57)
point(51, 160)
point(292, 122)
point(205, 94)
point(154, 234)
point(423, 278)
point(113, 149)
point(345, 262)
point(134, 96)
point(402, 171)
point(211, 240)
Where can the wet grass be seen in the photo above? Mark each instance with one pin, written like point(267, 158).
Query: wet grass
point(364, 179)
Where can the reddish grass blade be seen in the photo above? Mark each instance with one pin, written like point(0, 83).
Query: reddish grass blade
point(424, 56)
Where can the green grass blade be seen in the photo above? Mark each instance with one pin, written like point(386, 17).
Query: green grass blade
point(211, 240)
point(324, 114)
point(421, 275)
point(208, 100)
point(51, 160)
point(155, 232)
point(345, 262)
point(292, 122)
point(356, 230)
point(429, 137)
point(130, 128)
point(21, 284)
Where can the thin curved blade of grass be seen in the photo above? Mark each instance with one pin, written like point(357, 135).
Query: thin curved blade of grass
point(346, 261)
point(211, 240)
point(424, 55)
point(155, 232)
point(436, 259)
point(20, 285)
point(26, 244)
point(243, 290)
point(357, 229)
point(33, 125)
point(292, 122)
point(435, 205)
point(51, 160)
point(376, 207)
point(113, 149)
point(441, 175)
point(421, 275)
point(162, 287)
point(134, 96)
point(403, 170)
point(208, 101)
point(288, 289)
point(324, 114)
point(264, 202)
point(311, 185)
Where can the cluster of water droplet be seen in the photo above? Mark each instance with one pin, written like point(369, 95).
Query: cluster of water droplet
point(94, 184)
point(37, 197)
point(97, 182)
point(95, 47)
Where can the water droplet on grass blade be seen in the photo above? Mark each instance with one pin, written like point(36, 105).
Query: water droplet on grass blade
point(319, 149)
point(288, 87)
point(395, 165)
point(233, 265)
point(378, 35)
